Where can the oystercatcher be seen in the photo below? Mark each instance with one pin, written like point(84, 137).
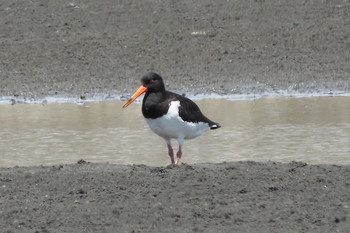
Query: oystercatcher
point(170, 115)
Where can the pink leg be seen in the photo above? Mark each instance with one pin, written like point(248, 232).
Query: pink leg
point(178, 155)
point(171, 153)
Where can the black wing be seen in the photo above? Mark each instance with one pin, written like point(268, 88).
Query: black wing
point(190, 112)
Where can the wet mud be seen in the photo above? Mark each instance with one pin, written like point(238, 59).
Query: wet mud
point(88, 48)
point(226, 197)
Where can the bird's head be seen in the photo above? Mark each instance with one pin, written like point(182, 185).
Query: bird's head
point(153, 82)
point(150, 82)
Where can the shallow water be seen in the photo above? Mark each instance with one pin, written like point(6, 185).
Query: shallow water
point(313, 130)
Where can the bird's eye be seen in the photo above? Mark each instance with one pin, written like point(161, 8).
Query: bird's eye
point(151, 81)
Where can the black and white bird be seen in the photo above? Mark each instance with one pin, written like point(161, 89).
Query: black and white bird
point(170, 115)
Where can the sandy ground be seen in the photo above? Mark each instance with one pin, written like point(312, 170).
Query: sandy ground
point(87, 48)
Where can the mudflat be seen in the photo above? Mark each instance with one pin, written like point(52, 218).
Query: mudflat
point(84, 48)
point(88, 48)
point(226, 197)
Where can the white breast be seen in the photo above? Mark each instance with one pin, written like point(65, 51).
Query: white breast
point(172, 126)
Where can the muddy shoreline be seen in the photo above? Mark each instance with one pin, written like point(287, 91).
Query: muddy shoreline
point(227, 197)
point(82, 49)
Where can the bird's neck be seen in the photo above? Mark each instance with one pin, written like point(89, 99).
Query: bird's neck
point(156, 96)
point(154, 104)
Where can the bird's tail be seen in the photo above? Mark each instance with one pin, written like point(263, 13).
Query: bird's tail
point(214, 126)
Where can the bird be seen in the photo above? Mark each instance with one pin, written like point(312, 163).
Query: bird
point(170, 115)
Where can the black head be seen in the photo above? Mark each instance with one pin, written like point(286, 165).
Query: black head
point(153, 82)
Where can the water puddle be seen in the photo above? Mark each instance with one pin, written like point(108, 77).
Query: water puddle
point(313, 130)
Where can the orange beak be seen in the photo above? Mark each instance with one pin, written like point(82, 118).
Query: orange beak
point(142, 89)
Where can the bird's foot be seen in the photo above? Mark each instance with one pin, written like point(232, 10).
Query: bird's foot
point(178, 155)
